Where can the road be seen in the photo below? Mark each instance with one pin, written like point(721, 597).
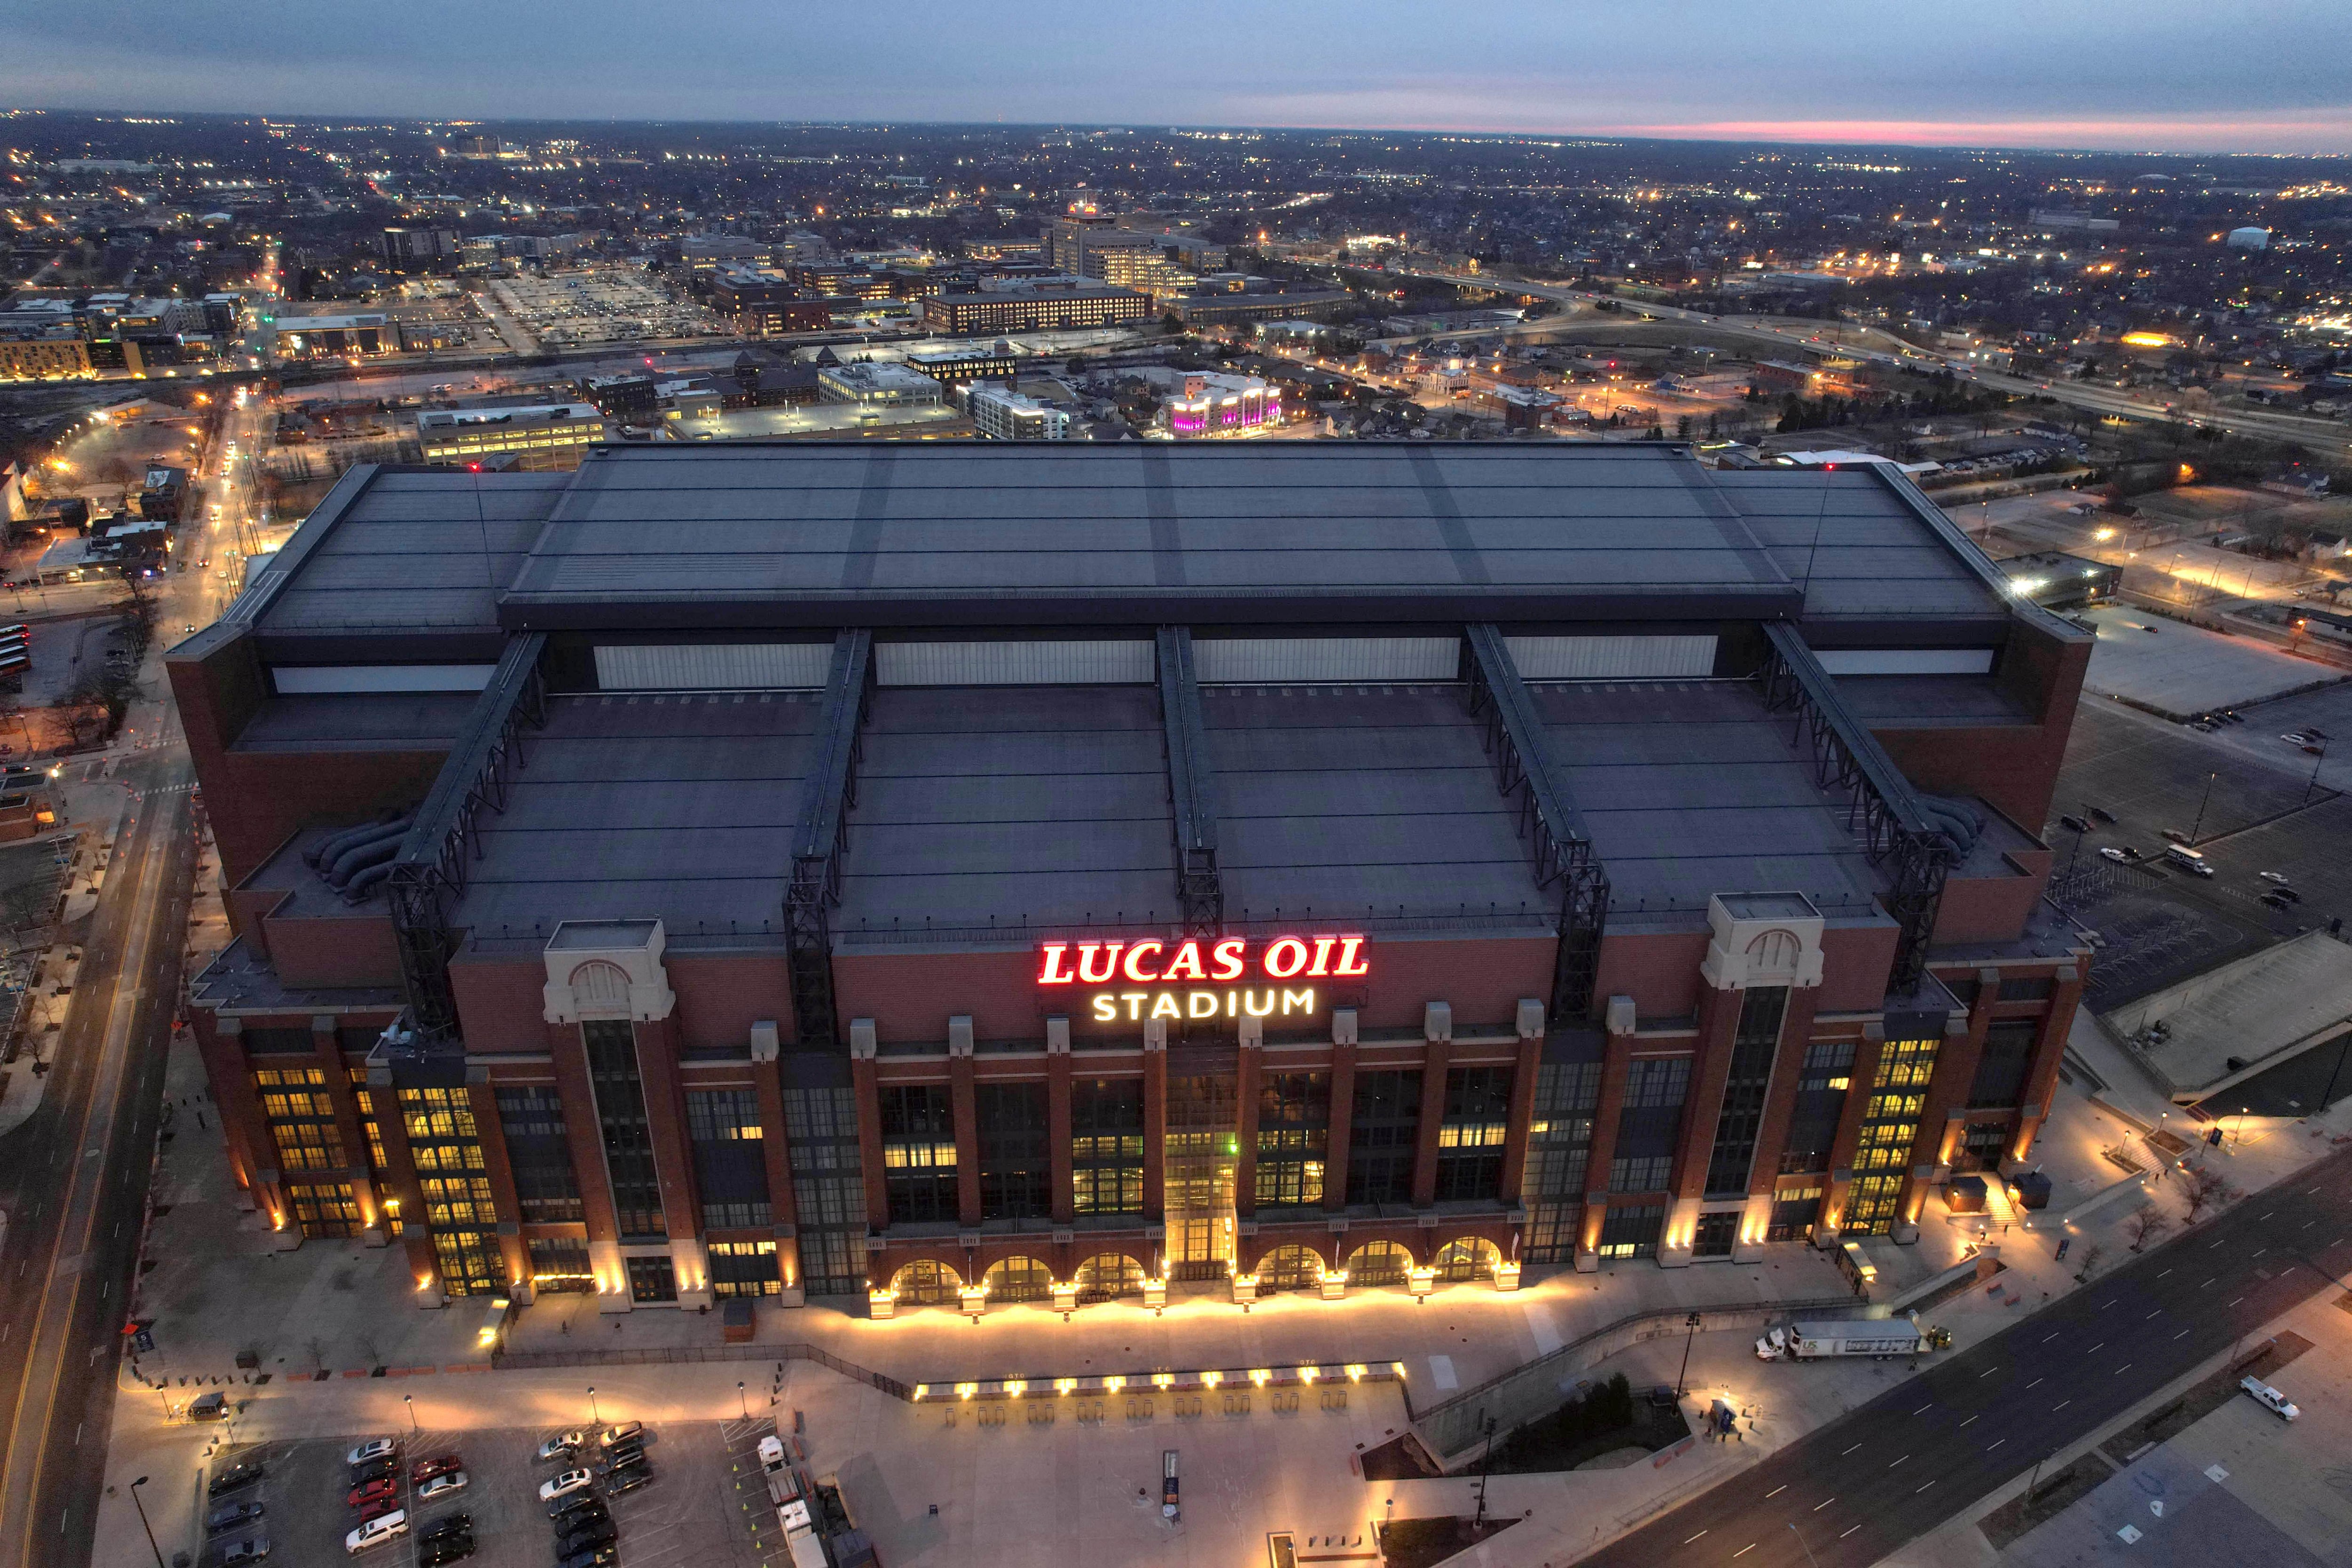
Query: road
point(2317, 435)
point(1897, 1468)
point(76, 1183)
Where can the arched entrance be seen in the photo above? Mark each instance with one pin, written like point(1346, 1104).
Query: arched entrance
point(1378, 1263)
point(925, 1283)
point(1295, 1267)
point(1107, 1276)
point(1467, 1259)
point(1018, 1280)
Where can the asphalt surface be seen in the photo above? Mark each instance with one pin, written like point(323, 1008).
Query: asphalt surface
point(1905, 1463)
point(74, 1181)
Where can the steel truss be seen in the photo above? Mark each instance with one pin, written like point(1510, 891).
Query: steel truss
point(1199, 891)
point(826, 803)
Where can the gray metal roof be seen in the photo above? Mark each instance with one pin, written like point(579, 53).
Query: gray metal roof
point(410, 550)
point(1690, 788)
point(357, 722)
point(1048, 805)
point(681, 807)
point(1859, 547)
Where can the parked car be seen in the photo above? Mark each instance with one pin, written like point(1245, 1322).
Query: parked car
point(253, 1549)
point(561, 1444)
point(385, 1469)
point(614, 1436)
point(2289, 894)
point(446, 1550)
point(449, 1524)
point(233, 1515)
point(573, 1519)
point(2274, 902)
point(564, 1485)
point(627, 1454)
point(2297, 738)
point(2123, 856)
point(372, 1450)
point(426, 1469)
point(379, 1507)
point(593, 1557)
point(2100, 813)
point(236, 1476)
point(2176, 835)
point(2074, 823)
point(2269, 1398)
point(375, 1533)
point(602, 1532)
point(373, 1491)
point(2281, 877)
point(627, 1479)
point(442, 1485)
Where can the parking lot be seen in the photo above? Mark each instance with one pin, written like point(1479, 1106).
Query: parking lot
point(689, 1514)
point(2159, 926)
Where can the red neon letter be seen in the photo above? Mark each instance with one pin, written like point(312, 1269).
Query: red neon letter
point(1351, 961)
point(1092, 973)
point(1227, 956)
point(1186, 965)
point(1055, 972)
point(1322, 964)
point(1135, 955)
point(1285, 956)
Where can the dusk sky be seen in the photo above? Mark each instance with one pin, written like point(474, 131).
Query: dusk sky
point(2212, 75)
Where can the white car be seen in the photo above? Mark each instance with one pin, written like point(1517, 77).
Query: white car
point(2117, 855)
point(2278, 877)
point(564, 1485)
point(376, 1532)
point(2269, 1398)
point(614, 1436)
point(442, 1485)
point(562, 1443)
point(375, 1448)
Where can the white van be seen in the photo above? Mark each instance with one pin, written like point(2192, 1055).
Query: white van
point(2186, 860)
point(376, 1532)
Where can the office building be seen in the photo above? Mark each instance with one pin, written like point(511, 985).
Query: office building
point(1213, 402)
point(872, 869)
point(877, 384)
point(961, 367)
point(1036, 307)
point(542, 435)
point(765, 302)
point(1002, 414)
point(420, 249)
point(329, 337)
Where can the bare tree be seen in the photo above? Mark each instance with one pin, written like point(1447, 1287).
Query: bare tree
point(2206, 1188)
point(2147, 1223)
point(2091, 1255)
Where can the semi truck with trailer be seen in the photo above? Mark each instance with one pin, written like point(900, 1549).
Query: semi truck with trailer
point(1878, 1337)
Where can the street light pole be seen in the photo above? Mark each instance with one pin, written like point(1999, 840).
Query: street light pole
point(2202, 802)
point(595, 1416)
point(1682, 1378)
point(410, 1400)
point(741, 1402)
point(1804, 1543)
point(142, 1521)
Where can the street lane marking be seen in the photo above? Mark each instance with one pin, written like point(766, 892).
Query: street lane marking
point(1970, 1418)
point(1997, 1443)
point(2234, 1303)
point(2158, 1314)
point(2035, 1384)
point(2265, 1216)
point(2161, 1276)
point(2060, 1406)
point(1849, 1450)
point(1983, 1375)
point(2258, 1252)
point(1823, 1503)
point(1898, 1461)
point(1694, 1538)
point(2101, 1344)
point(2123, 1369)
point(2209, 1282)
point(1925, 1408)
point(2181, 1335)
point(1743, 1552)
point(1776, 1491)
point(1842, 1536)
point(1922, 1488)
point(2048, 1338)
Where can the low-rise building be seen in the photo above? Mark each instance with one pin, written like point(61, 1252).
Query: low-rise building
point(1007, 415)
point(877, 384)
point(330, 337)
point(1044, 304)
point(544, 435)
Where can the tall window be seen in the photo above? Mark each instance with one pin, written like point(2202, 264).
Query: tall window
point(2008, 1056)
point(530, 1119)
point(1016, 1172)
point(560, 1264)
point(612, 1049)
point(743, 1269)
point(363, 1101)
point(447, 1148)
point(1649, 1125)
point(1752, 1051)
point(324, 1208)
point(1890, 1126)
point(1470, 1139)
point(1821, 1085)
point(918, 1152)
point(1294, 1131)
point(731, 1167)
point(1384, 1132)
point(1106, 1145)
point(1560, 1153)
point(828, 1187)
point(301, 1119)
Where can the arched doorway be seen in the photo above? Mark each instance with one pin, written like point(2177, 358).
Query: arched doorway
point(1107, 1276)
point(1378, 1263)
point(924, 1283)
point(1467, 1259)
point(1018, 1280)
point(1294, 1267)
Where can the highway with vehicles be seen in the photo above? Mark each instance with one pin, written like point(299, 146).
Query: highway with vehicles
point(1859, 1488)
point(2316, 435)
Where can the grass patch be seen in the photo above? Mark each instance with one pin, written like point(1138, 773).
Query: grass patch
point(1425, 1543)
point(2050, 1496)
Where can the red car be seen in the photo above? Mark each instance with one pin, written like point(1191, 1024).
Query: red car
point(448, 1464)
point(374, 1492)
point(379, 1508)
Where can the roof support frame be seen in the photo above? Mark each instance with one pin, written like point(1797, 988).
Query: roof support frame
point(1200, 891)
point(826, 800)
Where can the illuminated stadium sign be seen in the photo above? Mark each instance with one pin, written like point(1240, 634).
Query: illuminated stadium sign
point(1233, 977)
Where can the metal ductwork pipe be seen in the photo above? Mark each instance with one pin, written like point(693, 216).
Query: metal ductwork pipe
point(367, 852)
point(364, 883)
point(324, 852)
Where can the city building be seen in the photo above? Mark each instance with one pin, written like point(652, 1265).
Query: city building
point(2057, 581)
point(877, 384)
point(542, 435)
point(1037, 306)
point(765, 302)
point(1213, 310)
point(420, 249)
point(962, 366)
point(880, 870)
point(2250, 239)
point(1214, 403)
point(53, 352)
point(331, 337)
point(1004, 414)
